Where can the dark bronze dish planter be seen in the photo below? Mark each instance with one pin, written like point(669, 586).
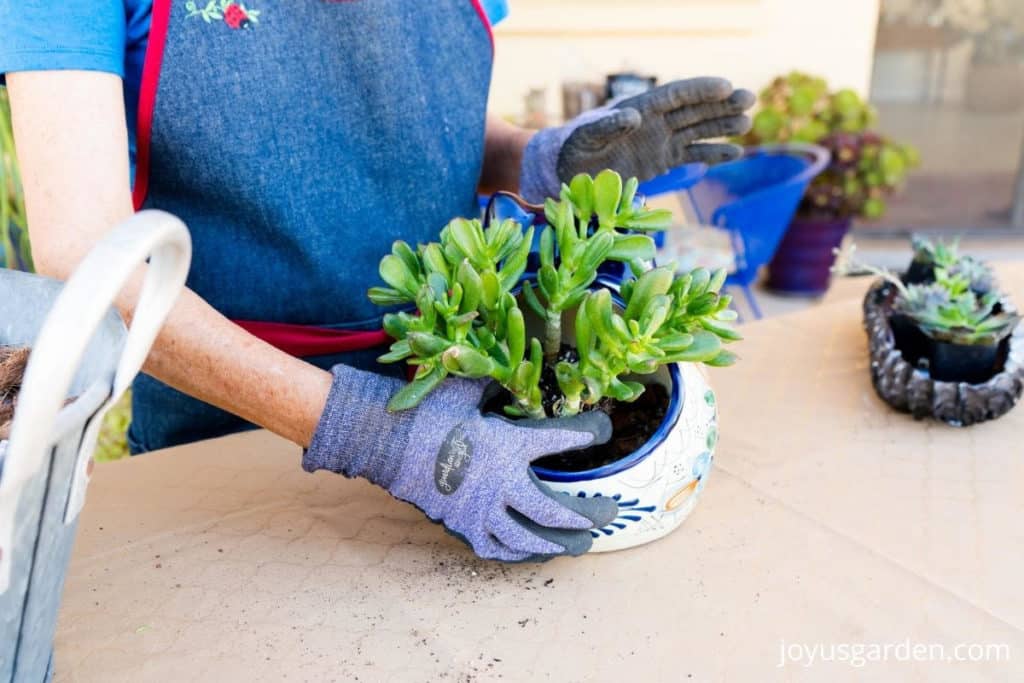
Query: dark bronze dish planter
point(908, 386)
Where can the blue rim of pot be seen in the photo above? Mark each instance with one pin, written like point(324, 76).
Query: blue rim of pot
point(675, 409)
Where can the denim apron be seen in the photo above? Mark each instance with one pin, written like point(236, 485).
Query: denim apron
point(298, 140)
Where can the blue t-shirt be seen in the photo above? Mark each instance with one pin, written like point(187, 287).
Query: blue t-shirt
point(95, 35)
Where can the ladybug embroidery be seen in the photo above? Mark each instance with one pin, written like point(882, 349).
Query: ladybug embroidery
point(235, 15)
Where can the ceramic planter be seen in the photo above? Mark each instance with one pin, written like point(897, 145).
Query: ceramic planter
point(81, 349)
point(658, 485)
point(802, 264)
point(919, 389)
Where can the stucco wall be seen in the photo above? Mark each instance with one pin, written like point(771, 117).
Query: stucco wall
point(543, 43)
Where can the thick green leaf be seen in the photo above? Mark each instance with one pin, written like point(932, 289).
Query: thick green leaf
point(656, 220)
point(394, 272)
point(399, 351)
point(434, 260)
point(705, 346)
point(582, 193)
point(717, 280)
point(653, 283)
point(630, 247)
point(547, 246)
point(490, 290)
point(516, 332)
point(547, 278)
point(386, 296)
point(426, 345)
point(514, 267)
point(466, 361)
point(673, 343)
point(472, 286)
point(607, 194)
point(536, 362)
point(409, 257)
point(628, 195)
point(724, 332)
point(701, 279)
point(584, 334)
point(413, 393)
point(469, 236)
point(655, 314)
point(723, 360)
point(597, 250)
point(532, 301)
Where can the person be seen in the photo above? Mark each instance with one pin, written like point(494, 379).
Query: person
point(297, 141)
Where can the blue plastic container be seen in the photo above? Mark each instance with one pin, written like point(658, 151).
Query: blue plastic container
point(755, 199)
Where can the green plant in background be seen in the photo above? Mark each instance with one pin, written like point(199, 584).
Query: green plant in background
point(469, 322)
point(950, 309)
point(866, 167)
point(13, 224)
point(938, 255)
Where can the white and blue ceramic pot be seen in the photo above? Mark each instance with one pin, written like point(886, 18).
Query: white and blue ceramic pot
point(657, 486)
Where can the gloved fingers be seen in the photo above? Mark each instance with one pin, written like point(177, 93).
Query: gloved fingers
point(511, 533)
point(540, 504)
point(544, 437)
point(706, 130)
point(491, 548)
point(678, 94)
point(600, 510)
point(592, 137)
point(709, 153)
point(572, 542)
point(735, 104)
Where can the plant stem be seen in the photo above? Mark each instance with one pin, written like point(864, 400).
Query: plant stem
point(571, 406)
point(533, 411)
point(552, 335)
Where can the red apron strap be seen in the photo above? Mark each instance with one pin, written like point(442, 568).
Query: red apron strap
point(305, 340)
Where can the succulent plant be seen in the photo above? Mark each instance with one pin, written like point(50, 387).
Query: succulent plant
point(866, 167)
point(949, 311)
point(469, 322)
point(940, 255)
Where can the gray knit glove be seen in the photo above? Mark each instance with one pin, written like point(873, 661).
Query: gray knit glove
point(465, 470)
point(643, 136)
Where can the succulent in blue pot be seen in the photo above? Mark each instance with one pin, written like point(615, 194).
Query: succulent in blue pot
point(565, 340)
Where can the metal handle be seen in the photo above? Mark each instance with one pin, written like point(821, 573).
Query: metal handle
point(62, 341)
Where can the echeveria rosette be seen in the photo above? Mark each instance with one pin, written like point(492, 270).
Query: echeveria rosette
point(469, 323)
point(866, 167)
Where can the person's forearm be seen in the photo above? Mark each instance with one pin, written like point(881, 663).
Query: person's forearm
point(72, 147)
point(503, 155)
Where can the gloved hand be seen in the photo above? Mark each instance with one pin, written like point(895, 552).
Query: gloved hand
point(465, 470)
point(643, 136)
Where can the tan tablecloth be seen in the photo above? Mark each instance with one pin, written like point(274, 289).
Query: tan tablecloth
point(829, 520)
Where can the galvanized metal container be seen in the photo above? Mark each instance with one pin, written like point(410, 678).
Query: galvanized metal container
point(81, 350)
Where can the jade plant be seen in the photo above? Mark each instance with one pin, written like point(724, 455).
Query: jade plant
point(471, 302)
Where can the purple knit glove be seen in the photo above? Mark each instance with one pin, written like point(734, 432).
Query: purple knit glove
point(465, 470)
point(643, 136)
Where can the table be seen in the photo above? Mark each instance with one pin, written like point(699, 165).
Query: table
point(829, 519)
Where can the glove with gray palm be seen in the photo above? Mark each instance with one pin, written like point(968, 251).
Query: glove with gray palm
point(643, 136)
point(468, 471)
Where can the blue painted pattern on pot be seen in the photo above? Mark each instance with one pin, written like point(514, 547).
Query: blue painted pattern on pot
point(658, 491)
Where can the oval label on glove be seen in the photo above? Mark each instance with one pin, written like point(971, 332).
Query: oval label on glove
point(452, 461)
